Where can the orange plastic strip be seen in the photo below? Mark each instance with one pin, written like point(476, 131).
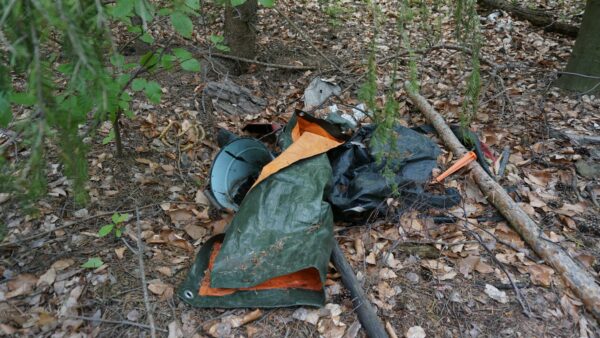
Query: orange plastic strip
point(308, 279)
point(303, 125)
point(468, 158)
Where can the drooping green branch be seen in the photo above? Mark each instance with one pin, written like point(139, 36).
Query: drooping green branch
point(65, 51)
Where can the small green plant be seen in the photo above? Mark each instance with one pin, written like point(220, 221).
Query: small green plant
point(116, 225)
point(335, 11)
point(470, 36)
point(384, 137)
point(218, 42)
point(93, 263)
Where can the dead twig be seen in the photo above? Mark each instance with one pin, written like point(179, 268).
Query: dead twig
point(524, 304)
point(134, 251)
point(140, 253)
point(503, 161)
point(70, 224)
point(266, 64)
point(120, 322)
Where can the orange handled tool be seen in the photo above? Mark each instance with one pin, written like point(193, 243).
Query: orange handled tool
point(468, 158)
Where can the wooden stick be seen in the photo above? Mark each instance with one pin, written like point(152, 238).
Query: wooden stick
point(364, 310)
point(120, 322)
point(140, 252)
point(70, 224)
point(576, 277)
point(266, 64)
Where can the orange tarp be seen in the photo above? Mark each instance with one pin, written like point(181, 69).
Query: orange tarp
point(309, 140)
point(304, 279)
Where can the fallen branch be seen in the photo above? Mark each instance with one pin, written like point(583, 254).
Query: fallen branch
point(140, 252)
point(120, 322)
point(536, 17)
point(70, 224)
point(364, 310)
point(266, 64)
point(575, 276)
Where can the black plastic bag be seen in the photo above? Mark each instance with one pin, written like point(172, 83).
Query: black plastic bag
point(359, 183)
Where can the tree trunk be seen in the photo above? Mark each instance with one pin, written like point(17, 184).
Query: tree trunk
point(585, 59)
point(240, 31)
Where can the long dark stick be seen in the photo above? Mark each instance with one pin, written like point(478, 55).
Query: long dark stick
point(364, 310)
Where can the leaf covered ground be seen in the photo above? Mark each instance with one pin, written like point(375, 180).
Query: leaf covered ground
point(446, 280)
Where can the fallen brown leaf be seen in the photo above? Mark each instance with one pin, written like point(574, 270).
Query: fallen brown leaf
point(165, 270)
point(21, 285)
point(120, 252)
point(540, 274)
point(170, 238)
point(196, 232)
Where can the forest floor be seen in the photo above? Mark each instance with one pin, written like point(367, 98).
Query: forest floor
point(418, 274)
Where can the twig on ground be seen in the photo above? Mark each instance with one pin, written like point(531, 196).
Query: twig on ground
point(503, 242)
point(135, 252)
point(120, 322)
point(266, 64)
point(309, 41)
point(140, 252)
point(64, 226)
point(590, 189)
point(503, 161)
point(524, 305)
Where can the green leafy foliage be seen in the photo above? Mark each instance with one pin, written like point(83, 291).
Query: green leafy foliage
point(267, 3)
point(138, 84)
point(191, 65)
point(117, 220)
point(217, 41)
point(86, 74)
point(122, 9)
point(186, 60)
point(105, 230)
point(182, 24)
point(93, 263)
point(5, 112)
point(109, 138)
point(468, 33)
point(153, 91)
point(193, 4)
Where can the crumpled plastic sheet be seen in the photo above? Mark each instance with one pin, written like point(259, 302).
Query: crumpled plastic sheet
point(359, 182)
